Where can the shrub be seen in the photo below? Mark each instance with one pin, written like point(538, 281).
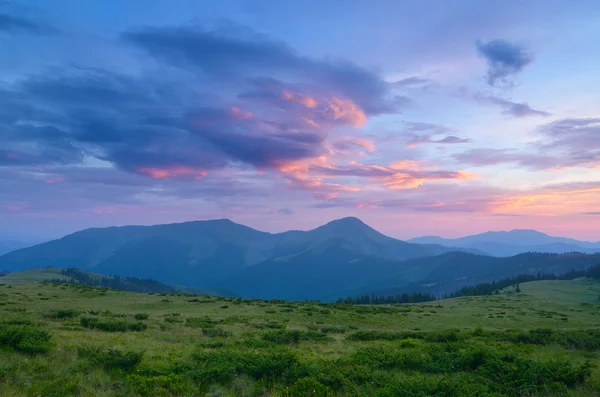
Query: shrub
point(64, 313)
point(333, 330)
point(309, 387)
point(111, 359)
point(170, 384)
point(200, 322)
point(141, 316)
point(222, 365)
point(294, 336)
point(173, 320)
point(112, 325)
point(25, 338)
point(214, 332)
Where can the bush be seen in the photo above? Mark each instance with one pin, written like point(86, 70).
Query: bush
point(333, 330)
point(173, 320)
point(200, 322)
point(213, 332)
point(141, 316)
point(64, 313)
point(223, 365)
point(111, 359)
point(294, 336)
point(112, 325)
point(160, 385)
point(25, 339)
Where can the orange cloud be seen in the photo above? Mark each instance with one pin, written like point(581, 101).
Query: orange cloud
point(348, 111)
point(552, 201)
point(171, 172)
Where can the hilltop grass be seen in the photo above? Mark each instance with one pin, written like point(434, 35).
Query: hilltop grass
point(62, 339)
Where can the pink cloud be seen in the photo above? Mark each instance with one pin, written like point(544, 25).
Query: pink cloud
point(172, 172)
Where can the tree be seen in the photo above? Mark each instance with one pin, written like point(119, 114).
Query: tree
point(518, 289)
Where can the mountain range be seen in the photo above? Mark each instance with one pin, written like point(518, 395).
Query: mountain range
point(341, 258)
point(12, 245)
point(513, 242)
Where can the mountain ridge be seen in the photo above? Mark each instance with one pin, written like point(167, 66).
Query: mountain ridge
point(513, 242)
point(340, 258)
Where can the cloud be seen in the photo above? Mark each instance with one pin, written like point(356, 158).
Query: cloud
point(286, 211)
point(16, 24)
point(563, 144)
point(510, 108)
point(423, 139)
point(489, 156)
point(419, 133)
point(504, 59)
point(232, 53)
point(591, 213)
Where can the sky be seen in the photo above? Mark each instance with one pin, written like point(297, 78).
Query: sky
point(420, 117)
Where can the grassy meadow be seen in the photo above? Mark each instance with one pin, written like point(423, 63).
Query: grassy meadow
point(72, 340)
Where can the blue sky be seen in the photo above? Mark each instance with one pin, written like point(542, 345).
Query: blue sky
point(419, 117)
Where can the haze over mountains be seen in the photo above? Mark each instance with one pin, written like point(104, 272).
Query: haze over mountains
point(513, 242)
point(341, 258)
point(12, 245)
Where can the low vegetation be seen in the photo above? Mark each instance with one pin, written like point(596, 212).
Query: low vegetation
point(87, 341)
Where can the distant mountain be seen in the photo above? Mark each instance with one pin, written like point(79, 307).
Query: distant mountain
point(513, 242)
point(204, 253)
point(11, 245)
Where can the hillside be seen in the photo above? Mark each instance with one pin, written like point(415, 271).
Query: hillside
point(134, 344)
point(446, 273)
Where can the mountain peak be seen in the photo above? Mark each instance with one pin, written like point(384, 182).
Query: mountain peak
point(350, 221)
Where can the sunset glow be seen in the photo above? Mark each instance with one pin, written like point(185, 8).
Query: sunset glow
point(478, 115)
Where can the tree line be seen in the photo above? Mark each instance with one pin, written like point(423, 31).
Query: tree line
point(132, 284)
point(413, 297)
point(490, 288)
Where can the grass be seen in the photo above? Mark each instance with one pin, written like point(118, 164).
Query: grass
point(86, 341)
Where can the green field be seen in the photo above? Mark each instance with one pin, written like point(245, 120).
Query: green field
point(532, 343)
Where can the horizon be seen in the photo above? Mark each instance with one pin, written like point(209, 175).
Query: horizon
point(51, 238)
point(445, 120)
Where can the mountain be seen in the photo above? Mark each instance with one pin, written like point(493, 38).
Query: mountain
point(204, 253)
point(448, 272)
point(330, 271)
point(342, 258)
point(11, 245)
point(513, 242)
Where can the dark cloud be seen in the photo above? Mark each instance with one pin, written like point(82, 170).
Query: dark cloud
point(16, 24)
point(510, 108)
point(504, 59)
point(233, 53)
